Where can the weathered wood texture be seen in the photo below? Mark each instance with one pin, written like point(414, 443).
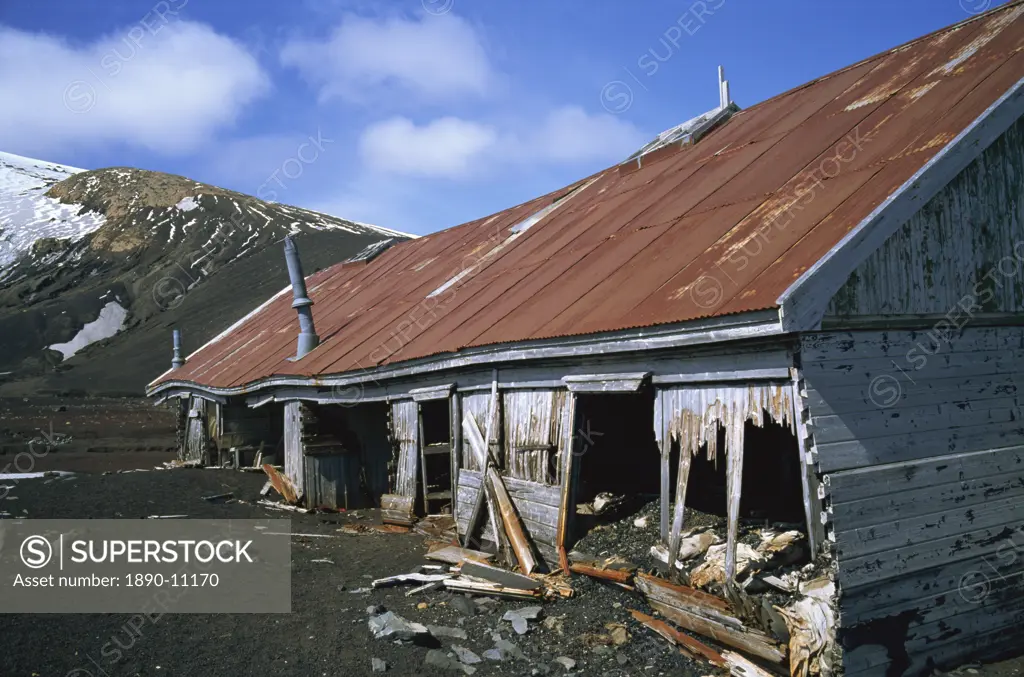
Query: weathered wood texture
point(536, 503)
point(919, 436)
point(405, 431)
point(477, 405)
point(534, 421)
point(294, 461)
point(980, 214)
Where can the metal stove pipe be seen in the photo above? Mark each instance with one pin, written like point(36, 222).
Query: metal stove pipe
point(307, 332)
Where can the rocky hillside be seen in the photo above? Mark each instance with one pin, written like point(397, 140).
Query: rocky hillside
point(96, 267)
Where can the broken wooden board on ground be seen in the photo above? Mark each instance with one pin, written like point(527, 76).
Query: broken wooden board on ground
point(281, 506)
point(499, 576)
point(707, 615)
point(453, 554)
point(409, 578)
point(741, 667)
point(613, 575)
point(395, 509)
point(282, 484)
point(691, 646)
point(472, 587)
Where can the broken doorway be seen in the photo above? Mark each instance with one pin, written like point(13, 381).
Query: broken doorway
point(435, 488)
point(617, 464)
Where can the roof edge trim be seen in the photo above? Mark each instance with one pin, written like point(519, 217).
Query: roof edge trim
point(754, 324)
point(803, 303)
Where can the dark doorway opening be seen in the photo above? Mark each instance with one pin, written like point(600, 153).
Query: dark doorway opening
point(772, 490)
point(435, 490)
point(617, 469)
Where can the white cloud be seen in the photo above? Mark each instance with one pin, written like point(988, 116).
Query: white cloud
point(455, 148)
point(570, 135)
point(433, 57)
point(446, 147)
point(166, 86)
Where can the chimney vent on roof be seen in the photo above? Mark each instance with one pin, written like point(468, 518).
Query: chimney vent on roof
point(723, 89)
point(307, 333)
point(177, 360)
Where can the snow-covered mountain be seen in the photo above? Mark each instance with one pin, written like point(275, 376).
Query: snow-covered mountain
point(96, 266)
point(27, 214)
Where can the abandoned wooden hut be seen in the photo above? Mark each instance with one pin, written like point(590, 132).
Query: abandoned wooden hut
point(813, 305)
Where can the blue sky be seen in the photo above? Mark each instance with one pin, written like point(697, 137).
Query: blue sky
point(412, 114)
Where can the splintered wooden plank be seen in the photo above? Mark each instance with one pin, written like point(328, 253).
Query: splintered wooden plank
point(517, 536)
point(747, 640)
point(282, 484)
point(453, 554)
point(689, 645)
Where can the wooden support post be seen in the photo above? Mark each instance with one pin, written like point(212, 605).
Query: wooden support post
point(666, 486)
point(734, 488)
point(421, 446)
point(677, 517)
point(565, 499)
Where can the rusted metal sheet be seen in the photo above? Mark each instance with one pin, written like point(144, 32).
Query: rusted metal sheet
point(405, 428)
point(282, 484)
point(724, 226)
point(533, 434)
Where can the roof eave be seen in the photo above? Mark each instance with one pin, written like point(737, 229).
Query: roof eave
point(748, 325)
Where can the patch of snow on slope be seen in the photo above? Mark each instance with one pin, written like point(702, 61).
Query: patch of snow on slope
point(110, 321)
point(26, 214)
point(187, 204)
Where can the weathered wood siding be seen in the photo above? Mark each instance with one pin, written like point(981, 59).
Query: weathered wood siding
point(477, 405)
point(332, 481)
point(537, 505)
point(534, 424)
point(919, 436)
point(294, 466)
point(405, 429)
point(965, 247)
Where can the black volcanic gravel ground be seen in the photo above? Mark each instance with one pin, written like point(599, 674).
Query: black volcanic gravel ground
point(326, 633)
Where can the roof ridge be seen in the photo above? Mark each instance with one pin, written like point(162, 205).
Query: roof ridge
point(927, 36)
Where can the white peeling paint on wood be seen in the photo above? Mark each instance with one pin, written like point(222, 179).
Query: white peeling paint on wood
point(534, 434)
point(294, 462)
point(405, 431)
point(964, 249)
point(691, 415)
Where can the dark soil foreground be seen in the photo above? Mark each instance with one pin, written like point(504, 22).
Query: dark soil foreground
point(327, 632)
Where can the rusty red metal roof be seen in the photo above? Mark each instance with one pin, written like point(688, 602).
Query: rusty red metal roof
point(721, 227)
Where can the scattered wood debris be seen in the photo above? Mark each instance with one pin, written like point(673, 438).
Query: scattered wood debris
point(282, 484)
point(165, 517)
point(409, 578)
point(690, 646)
point(281, 506)
point(453, 554)
point(219, 497)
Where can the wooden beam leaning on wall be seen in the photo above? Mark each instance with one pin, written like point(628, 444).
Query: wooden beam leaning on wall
point(476, 518)
point(498, 495)
point(677, 516)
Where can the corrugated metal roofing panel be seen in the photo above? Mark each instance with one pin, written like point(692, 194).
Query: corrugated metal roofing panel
point(684, 233)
